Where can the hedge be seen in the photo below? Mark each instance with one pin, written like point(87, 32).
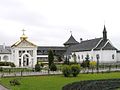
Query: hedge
point(108, 84)
point(7, 64)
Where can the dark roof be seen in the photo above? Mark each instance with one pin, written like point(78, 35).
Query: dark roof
point(4, 50)
point(108, 46)
point(101, 44)
point(51, 47)
point(87, 45)
point(71, 41)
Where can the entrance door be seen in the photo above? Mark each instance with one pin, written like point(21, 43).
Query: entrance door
point(26, 60)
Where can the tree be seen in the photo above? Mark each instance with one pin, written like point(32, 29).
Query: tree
point(50, 58)
point(53, 67)
point(86, 63)
point(66, 61)
point(59, 58)
point(92, 65)
point(37, 67)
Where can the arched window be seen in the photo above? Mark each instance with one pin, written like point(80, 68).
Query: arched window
point(79, 57)
point(82, 56)
point(113, 56)
point(5, 58)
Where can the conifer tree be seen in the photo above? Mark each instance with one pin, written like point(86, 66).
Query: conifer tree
point(50, 58)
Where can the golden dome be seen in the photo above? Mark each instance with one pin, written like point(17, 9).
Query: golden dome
point(23, 37)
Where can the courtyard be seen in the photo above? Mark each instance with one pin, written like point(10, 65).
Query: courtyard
point(53, 82)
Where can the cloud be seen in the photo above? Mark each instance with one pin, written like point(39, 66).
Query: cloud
point(16, 11)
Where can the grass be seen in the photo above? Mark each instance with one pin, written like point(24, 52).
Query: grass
point(53, 82)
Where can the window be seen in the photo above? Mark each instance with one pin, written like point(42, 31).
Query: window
point(92, 57)
point(113, 56)
point(19, 62)
point(79, 57)
point(30, 52)
point(82, 56)
point(5, 58)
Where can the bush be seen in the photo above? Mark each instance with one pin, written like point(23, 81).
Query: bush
point(37, 68)
point(75, 70)
point(53, 67)
point(7, 64)
point(66, 70)
point(12, 64)
point(14, 82)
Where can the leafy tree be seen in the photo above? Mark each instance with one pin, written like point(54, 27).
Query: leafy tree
point(59, 59)
point(92, 65)
point(50, 58)
point(86, 63)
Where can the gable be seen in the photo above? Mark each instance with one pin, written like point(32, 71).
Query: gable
point(109, 46)
point(23, 43)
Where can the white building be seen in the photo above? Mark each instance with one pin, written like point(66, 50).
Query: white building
point(98, 47)
point(24, 53)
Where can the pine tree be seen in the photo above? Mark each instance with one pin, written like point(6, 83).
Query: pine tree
point(50, 58)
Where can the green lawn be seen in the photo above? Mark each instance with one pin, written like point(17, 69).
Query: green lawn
point(53, 82)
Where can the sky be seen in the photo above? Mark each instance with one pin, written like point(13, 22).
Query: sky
point(49, 22)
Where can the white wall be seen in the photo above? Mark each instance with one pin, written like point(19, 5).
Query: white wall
point(15, 56)
point(118, 57)
point(9, 57)
point(105, 56)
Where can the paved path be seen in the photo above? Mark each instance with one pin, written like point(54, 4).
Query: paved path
point(3, 88)
point(43, 72)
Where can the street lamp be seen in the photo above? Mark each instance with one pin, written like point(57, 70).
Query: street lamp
point(97, 56)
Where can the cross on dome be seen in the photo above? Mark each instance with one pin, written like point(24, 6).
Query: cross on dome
point(23, 31)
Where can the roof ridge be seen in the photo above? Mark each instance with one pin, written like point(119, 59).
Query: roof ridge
point(91, 39)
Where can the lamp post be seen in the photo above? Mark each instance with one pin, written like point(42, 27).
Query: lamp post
point(97, 56)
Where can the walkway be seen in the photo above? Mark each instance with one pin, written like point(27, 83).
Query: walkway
point(45, 72)
point(3, 88)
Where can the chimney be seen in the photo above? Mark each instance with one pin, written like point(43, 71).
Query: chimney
point(81, 39)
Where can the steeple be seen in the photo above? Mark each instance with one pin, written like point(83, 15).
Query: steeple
point(23, 37)
point(104, 33)
point(71, 41)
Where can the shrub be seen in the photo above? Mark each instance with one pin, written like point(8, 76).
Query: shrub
point(1, 69)
point(14, 82)
point(12, 64)
point(7, 64)
point(37, 68)
point(66, 70)
point(75, 69)
point(42, 65)
point(53, 67)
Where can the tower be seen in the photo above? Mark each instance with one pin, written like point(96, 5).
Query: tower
point(104, 33)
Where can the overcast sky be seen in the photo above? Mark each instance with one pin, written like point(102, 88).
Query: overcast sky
point(48, 22)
